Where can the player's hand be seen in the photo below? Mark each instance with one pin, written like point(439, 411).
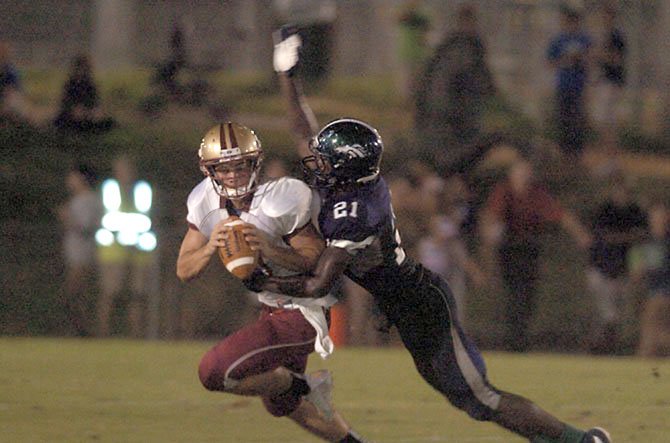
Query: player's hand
point(219, 235)
point(258, 240)
point(287, 44)
point(257, 279)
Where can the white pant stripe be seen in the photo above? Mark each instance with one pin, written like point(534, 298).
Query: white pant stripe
point(229, 382)
point(473, 378)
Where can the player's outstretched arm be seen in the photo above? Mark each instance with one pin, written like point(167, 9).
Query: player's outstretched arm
point(286, 57)
point(331, 265)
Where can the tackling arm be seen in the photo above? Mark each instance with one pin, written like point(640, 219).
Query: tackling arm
point(331, 265)
point(305, 247)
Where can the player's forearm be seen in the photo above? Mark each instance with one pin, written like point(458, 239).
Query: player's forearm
point(330, 266)
point(191, 264)
point(298, 260)
point(293, 285)
point(303, 121)
point(299, 286)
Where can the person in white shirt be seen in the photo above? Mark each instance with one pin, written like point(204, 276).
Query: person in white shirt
point(266, 358)
point(80, 218)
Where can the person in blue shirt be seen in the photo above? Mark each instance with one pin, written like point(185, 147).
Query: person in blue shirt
point(568, 53)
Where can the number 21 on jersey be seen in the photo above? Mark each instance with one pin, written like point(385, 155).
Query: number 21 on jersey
point(345, 209)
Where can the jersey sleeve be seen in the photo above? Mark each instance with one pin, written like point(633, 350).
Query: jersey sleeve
point(290, 204)
point(196, 207)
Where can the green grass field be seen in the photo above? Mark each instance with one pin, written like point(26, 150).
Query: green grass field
point(70, 390)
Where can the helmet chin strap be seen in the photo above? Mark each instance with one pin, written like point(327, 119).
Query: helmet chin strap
point(240, 192)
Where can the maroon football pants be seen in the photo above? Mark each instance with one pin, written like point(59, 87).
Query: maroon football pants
point(278, 338)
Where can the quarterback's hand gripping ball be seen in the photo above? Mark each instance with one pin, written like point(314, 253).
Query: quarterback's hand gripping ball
point(287, 43)
point(236, 254)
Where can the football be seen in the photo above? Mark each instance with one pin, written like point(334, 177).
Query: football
point(236, 255)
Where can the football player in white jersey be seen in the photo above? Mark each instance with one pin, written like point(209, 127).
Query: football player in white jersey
point(268, 357)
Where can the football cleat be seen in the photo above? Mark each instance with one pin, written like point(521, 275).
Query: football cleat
point(320, 386)
point(598, 435)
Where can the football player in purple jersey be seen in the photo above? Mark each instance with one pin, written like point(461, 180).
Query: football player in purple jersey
point(363, 243)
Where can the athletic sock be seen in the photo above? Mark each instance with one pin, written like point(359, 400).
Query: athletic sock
point(299, 386)
point(352, 437)
point(569, 435)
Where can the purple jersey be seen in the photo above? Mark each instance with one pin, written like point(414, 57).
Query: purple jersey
point(361, 221)
point(418, 302)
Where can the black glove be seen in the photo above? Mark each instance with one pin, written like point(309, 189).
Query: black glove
point(257, 279)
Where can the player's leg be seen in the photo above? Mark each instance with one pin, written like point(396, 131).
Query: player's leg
point(247, 362)
point(334, 429)
point(457, 370)
point(267, 359)
point(307, 402)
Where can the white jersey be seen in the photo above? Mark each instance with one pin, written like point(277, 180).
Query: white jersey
point(279, 208)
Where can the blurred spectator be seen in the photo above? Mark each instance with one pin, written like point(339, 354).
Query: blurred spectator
point(650, 264)
point(458, 196)
point(568, 53)
point(125, 248)
point(608, 91)
point(415, 193)
point(12, 102)
point(515, 216)
point(443, 251)
point(167, 73)
point(80, 104)
point(453, 91)
point(80, 217)
point(618, 223)
point(177, 81)
point(413, 27)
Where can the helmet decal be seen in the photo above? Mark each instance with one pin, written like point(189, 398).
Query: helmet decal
point(345, 151)
point(351, 151)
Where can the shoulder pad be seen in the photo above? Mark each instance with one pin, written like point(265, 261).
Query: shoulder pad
point(285, 196)
point(198, 193)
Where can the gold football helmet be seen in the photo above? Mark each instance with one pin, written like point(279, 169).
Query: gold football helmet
point(231, 142)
